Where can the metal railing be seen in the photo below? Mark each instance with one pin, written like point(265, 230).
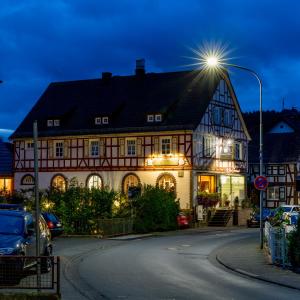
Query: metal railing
point(102, 227)
point(20, 272)
point(276, 244)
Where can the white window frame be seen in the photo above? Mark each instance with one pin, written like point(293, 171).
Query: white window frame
point(105, 120)
point(276, 193)
point(131, 148)
point(150, 118)
point(56, 123)
point(162, 148)
point(57, 151)
point(98, 121)
point(49, 123)
point(158, 117)
point(208, 146)
point(94, 151)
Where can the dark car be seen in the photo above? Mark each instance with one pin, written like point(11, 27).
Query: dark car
point(53, 223)
point(9, 206)
point(18, 239)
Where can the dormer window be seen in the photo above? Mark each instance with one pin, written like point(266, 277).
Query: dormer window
point(56, 123)
point(158, 118)
point(98, 121)
point(150, 118)
point(104, 120)
point(49, 123)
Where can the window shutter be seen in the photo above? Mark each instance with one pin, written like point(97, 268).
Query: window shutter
point(174, 145)
point(66, 149)
point(156, 145)
point(86, 148)
point(102, 147)
point(139, 146)
point(122, 147)
point(50, 149)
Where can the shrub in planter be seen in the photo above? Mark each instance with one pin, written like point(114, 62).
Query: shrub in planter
point(156, 209)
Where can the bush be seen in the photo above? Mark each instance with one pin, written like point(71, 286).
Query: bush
point(294, 246)
point(156, 209)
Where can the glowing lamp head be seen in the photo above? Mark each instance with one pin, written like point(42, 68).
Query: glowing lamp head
point(212, 61)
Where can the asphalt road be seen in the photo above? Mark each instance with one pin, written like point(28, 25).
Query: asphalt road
point(169, 267)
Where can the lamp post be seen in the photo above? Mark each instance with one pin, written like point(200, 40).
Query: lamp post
point(213, 61)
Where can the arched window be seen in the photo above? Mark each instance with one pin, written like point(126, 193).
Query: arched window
point(130, 181)
point(94, 181)
point(27, 180)
point(166, 181)
point(59, 182)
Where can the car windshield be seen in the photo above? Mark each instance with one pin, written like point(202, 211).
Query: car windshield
point(11, 225)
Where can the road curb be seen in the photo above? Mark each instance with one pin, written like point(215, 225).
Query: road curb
point(254, 276)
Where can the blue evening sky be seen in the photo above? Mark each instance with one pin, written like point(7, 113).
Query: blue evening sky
point(59, 40)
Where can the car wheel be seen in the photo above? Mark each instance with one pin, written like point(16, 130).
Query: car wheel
point(46, 262)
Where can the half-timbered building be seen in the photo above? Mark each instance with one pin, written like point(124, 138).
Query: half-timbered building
point(180, 130)
point(281, 155)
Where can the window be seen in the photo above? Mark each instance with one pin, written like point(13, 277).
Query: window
point(104, 120)
point(276, 193)
point(275, 170)
point(217, 115)
point(49, 123)
point(238, 151)
point(131, 147)
point(130, 181)
point(59, 182)
point(56, 123)
point(166, 181)
point(208, 148)
point(158, 118)
point(94, 148)
point(59, 149)
point(206, 183)
point(27, 180)
point(227, 118)
point(165, 145)
point(150, 118)
point(98, 121)
point(29, 145)
point(226, 149)
point(94, 181)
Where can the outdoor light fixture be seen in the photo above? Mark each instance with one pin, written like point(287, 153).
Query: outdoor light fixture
point(212, 60)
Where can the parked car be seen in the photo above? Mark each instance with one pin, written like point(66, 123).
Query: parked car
point(287, 210)
point(18, 239)
point(254, 220)
point(182, 220)
point(53, 223)
point(9, 206)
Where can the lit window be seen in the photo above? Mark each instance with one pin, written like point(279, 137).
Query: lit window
point(94, 181)
point(130, 181)
point(49, 123)
point(165, 146)
point(98, 121)
point(131, 147)
point(59, 149)
point(56, 123)
point(94, 148)
point(158, 118)
point(105, 120)
point(59, 182)
point(27, 180)
point(167, 182)
point(150, 118)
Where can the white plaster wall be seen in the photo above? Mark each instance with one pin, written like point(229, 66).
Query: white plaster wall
point(114, 179)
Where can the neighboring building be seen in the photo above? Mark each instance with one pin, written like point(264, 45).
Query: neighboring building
point(281, 155)
point(6, 167)
point(180, 130)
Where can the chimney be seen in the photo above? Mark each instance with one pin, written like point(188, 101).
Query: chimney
point(106, 77)
point(140, 67)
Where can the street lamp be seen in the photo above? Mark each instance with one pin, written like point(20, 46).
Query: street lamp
point(215, 62)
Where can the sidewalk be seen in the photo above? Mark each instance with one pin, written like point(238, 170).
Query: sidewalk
point(245, 257)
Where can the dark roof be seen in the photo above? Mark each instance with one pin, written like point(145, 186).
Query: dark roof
point(182, 98)
point(277, 147)
point(6, 159)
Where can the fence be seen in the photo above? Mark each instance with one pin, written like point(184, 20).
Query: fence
point(103, 227)
point(20, 272)
point(276, 243)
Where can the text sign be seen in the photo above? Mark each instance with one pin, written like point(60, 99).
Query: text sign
point(261, 183)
